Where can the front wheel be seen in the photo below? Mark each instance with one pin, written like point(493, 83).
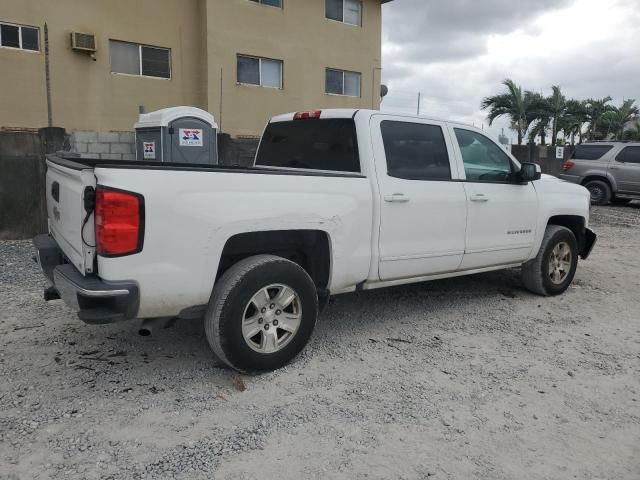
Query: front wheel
point(261, 313)
point(553, 269)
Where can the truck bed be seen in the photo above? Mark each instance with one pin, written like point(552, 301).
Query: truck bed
point(77, 163)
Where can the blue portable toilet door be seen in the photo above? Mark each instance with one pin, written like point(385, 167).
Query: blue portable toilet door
point(190, 141)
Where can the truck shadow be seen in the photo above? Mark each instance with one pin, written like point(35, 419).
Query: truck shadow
point(439, 302)
point(182, 351)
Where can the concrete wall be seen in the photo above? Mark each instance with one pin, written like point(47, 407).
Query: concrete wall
point(22, 181)
point(113, 145)
point(205, 37)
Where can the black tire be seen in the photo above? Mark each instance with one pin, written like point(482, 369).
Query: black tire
point(536, 273)
point(230, 297)
point(600, 192)
point(621, 201)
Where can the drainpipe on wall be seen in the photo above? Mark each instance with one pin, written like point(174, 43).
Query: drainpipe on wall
point(47, 75)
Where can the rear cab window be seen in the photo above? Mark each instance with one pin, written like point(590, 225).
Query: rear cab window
point(311, 144)
point(590, 152)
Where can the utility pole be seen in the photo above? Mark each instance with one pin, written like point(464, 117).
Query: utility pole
point(419, 95)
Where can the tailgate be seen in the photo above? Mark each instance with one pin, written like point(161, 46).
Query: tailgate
point(68, 222)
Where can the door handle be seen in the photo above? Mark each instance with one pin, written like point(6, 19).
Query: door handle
point(397, 198)
point(613, 167)
point(479, 197)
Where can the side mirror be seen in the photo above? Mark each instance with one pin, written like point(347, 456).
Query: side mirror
point(530, 172)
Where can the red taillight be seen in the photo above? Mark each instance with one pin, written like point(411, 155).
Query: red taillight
point(119, 222)
point(307, 115)
point(567, 166)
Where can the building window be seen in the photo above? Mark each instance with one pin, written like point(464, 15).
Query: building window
point(19, 36)
point(260, 71)
point(339, 82)
point(346, 11)
point(271, 3)
point(142, 60)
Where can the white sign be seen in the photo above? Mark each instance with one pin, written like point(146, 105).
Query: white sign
point(190, 137)
point(560, 152)
point(149, 149)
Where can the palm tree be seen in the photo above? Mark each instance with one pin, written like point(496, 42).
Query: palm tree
point(539, 116)
point(557, 108)
point(633, 133)
point(573, 120)
point(618, 117)
point(596, 108)
point(514, 104)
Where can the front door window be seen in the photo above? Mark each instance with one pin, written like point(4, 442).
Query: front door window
point(484, 161)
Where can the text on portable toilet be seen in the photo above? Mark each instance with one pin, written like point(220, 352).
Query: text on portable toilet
point(149, 150)
point(190, 137)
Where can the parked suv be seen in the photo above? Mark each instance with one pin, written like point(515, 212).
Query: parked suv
point(609, 170)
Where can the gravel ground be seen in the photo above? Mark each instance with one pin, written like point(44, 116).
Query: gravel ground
point(463, 378)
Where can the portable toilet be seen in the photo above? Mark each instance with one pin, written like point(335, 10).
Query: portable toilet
point(177, 135)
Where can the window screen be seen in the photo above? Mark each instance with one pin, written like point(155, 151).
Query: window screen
point(10, 36)
point(338, 82)
point(415, 151)
point(629, 155)
point(125, 58)
point(273, 3)
point(260, 71)
point(334, 10)
point(590, 152)
point(136, 59)
point(19, 36)
point(155, 62)
point(249, 70)
point(30, 38)
point(271, 73)
point(347, 11)
point(329, 144)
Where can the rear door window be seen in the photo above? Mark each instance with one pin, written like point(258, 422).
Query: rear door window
point(590, 152)
point(629, 155)
point(313, 144)
point(415, 151)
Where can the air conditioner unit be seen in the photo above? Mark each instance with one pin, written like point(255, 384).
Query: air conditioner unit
point(83, 42)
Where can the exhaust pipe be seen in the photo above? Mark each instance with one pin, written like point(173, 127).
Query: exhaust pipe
point(149, 325)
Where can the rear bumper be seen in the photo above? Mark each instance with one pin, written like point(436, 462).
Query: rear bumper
point(590, 239)
point(96, 301)
point(570, 178)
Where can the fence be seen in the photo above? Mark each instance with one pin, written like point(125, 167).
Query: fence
point(544, 156)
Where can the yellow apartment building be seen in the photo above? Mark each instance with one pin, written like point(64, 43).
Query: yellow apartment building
point(88, 65)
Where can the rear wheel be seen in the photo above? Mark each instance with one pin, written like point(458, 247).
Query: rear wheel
point(553, 269)
point(600, 192)
point(261, 313)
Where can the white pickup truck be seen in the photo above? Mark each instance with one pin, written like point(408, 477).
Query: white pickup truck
point(337, 201)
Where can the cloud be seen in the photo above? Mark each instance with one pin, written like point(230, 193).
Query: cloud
point(457, 52)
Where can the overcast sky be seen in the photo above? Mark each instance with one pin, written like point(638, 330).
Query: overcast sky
point(455, 52)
